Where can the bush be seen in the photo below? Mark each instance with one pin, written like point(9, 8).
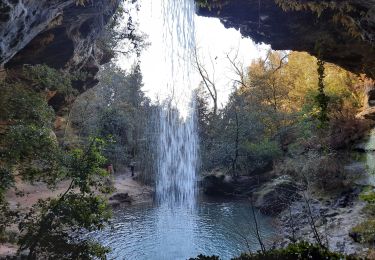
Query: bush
point(324, 172)
point(203, 257)
point(345, 131)
point(47, 78)
point(302, 250)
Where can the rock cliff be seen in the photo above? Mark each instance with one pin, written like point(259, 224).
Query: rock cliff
point(346, 38)
point(59, 33)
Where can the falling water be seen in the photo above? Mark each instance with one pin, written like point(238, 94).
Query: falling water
point(177, 158)
point(177, 147)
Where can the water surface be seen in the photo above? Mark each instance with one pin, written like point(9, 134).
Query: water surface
point(159, 232)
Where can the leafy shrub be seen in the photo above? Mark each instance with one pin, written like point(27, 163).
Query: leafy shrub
point(264, 149)
point(324, 172)
point(302, 250)
point(19, 104)
point(52, 228)
point(44, 77)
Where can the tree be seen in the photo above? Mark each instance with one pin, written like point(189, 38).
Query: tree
point(30, 151)
point(120, 110)
point(208, 80)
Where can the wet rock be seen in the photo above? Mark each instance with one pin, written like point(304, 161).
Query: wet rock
point(355, 236)
point(346, 198)
point(114, 203)
point(121, 198)
point(218, 185)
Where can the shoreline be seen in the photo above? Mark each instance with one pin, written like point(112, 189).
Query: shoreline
point(136, 193)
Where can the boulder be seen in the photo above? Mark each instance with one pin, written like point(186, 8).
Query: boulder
point(275, 196)
point(120, 197)
point(218, 185)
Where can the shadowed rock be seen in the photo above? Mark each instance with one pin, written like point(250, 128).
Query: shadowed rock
point(264, 21)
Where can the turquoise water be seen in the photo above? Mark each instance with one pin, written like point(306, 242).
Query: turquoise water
point(214, 227)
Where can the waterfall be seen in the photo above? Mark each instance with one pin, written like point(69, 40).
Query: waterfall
point(177, 158)
point(178, 141)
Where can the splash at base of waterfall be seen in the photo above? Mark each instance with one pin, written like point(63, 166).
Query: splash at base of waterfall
point(178, 140)
point(177, 158)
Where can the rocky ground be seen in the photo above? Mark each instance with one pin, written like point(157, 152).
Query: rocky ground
point(332, 217)
point(128, 190)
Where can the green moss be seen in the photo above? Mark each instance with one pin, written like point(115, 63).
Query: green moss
point(368, 196)
point(364, 232)
point(369, 210)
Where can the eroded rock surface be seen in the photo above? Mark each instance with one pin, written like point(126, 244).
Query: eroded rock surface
point(264, 21)
point(59, 33)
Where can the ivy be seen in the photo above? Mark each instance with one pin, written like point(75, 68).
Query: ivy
point(321, 98)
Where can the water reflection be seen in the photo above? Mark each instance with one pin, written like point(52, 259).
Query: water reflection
point(147, 232)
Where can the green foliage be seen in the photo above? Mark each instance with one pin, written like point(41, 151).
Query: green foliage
point(122, 35)
point(85, 167)
point(118, 109)
point(53, 226)
point(265, 148)
point(369, 210)
point(29, 148)
point(279, 109)
point(321, 98)
point(365, 231)
point(368, 196)
point(44, 78)
point(203, 257)
point(28, 142)
point(22, 105)
point(302, 250)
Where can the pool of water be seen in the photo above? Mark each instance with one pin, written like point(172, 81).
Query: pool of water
point(224, 228)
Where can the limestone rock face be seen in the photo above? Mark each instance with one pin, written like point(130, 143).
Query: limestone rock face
point(264, 21)
point(368, 111)
point(58, 33)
